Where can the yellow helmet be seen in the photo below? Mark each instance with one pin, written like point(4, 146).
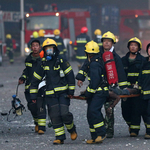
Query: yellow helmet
point(8, 36)
point(41, 33)
point(135, 39)
point(109, 35)
point(97, 32)
point(56, 32)
point(92, 47)
point(49, 42)
point(35, 34)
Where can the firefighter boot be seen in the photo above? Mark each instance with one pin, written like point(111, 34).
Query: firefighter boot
point(90, 142)
point(36, 128)
point(40, 132)
point(100, 139)
point(73, 135)
point(57, 142)
point(147, 136)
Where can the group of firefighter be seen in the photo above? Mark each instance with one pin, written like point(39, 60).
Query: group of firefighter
point(49, 81)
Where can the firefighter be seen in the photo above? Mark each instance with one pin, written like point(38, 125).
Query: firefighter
point(60, 43)
point(95, 93)
point(9, 48)
point(98, 36)
point(37, 109)
point(144, 83)
point(35, 36)
point(79, 44)
point(60, 83)
point(108, 40)
point(131, 108)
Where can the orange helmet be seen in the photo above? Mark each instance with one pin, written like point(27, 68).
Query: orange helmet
point(84, 30)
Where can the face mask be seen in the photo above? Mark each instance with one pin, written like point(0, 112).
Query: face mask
point(49, 51)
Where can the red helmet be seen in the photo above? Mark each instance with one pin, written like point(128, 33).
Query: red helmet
point(84, 30)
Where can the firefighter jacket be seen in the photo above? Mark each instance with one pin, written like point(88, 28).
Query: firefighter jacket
point(122, 80)
point(9, 45)
point(60, 45)
point(98, 40)
point(144, 79)
point(79, 46)
point(31, 63)
point(95, 77)
point(132, 69)
point(59, 78)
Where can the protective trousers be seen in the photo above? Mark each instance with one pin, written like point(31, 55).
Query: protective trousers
point(146, 114)
point(131, 112)
point(58, 110)
point(109, 118)
point(95, 117)
point(10, 56)
point(41, 112)
point(32, 107)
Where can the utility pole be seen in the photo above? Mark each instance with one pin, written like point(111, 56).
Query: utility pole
point(22, 26)
point(148, 4)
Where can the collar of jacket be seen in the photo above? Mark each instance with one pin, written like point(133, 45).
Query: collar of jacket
point(97, 56)
point(112, 49)
point(138, 56)
point(29, 58)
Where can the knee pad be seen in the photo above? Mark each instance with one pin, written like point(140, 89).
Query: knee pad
point(65, 114)
point(54, 113)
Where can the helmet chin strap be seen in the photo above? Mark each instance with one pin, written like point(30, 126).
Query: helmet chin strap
point(134, 53)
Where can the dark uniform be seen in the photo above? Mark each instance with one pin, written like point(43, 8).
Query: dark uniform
point(144, 83)
point(96, 95)
point(122, 82)
point(131, 108)
point(61, 46)
point(60, 82)
point(39, 116)
point(81, 40)
point(9, 48)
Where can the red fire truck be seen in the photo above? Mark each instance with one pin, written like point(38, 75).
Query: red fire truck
point(69, 22)
point(134, 23)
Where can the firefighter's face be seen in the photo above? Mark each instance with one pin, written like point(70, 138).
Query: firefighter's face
point(133, 47)
point(35, 47)
point(107, 44)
